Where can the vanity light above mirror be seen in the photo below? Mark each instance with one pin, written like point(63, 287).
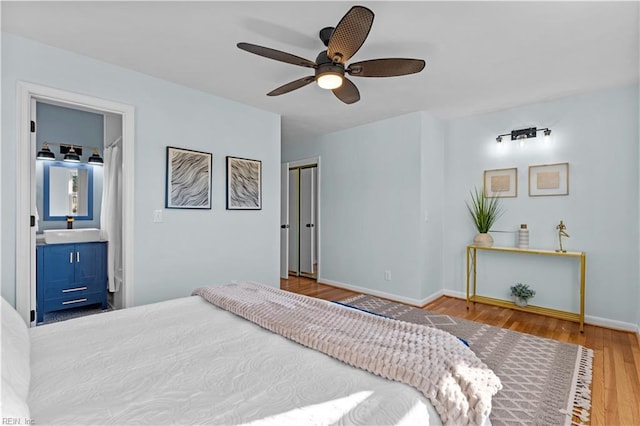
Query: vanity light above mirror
point(72, 153)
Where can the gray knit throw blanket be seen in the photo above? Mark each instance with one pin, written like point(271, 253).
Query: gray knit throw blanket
point(446, 371)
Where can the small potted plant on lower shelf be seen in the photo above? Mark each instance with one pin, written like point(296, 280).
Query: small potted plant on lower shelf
point(522, 293)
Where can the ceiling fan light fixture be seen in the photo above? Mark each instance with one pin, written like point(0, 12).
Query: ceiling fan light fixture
point(329, 80)
point(342, 42)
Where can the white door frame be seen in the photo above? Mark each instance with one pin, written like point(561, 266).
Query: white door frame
point(26, 154)
point(310, 162)
point(284, 221)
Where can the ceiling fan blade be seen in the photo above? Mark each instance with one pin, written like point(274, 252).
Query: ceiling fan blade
point(291, 86)
point(277, 55)
point(348, 92)
point(388, 67)
point(349, 34)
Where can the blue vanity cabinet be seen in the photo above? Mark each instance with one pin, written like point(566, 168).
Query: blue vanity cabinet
point(70, 275)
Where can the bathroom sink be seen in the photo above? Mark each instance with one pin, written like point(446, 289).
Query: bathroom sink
point(80, 235)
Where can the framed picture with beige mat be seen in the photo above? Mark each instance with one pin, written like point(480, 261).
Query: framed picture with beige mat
point(549, 179)
point(501, 183)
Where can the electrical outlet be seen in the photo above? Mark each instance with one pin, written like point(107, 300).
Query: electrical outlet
point(387, 275)
point(157, 216)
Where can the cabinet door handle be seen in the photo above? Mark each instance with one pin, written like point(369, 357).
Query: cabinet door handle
point(69, 290)
point(70, 302)
point(71, 257)
point(78, 256)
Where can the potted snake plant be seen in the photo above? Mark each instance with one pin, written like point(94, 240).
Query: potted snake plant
point(484, 212)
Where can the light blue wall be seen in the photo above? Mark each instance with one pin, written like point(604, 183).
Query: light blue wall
point(71, 126)
point(372, 209)
point(425, 168)
point(191, 247)
point(432, 186)
point(597, 134)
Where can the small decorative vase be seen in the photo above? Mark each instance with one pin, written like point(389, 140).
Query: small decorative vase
point(483, 240)
point(521, 302)
point(523, 237)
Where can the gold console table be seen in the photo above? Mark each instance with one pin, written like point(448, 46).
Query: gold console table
point(471, 276)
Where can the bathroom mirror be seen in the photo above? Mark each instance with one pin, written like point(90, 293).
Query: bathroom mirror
point(68, 191)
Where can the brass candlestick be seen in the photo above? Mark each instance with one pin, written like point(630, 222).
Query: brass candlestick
point(561, 233)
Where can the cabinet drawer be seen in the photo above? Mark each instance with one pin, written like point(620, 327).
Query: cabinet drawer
point(72, 301)
point(58, 290)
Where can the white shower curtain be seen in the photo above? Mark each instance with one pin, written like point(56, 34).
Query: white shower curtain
point(111, 212)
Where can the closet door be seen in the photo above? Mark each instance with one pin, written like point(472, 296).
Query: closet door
point(307, 220)
point(293, 221)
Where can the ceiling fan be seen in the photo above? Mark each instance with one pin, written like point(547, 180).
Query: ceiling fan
point(342, 43)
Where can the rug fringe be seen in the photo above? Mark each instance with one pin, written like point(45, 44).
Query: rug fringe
point(581, 390)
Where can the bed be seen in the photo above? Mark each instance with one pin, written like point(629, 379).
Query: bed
point(187, 361)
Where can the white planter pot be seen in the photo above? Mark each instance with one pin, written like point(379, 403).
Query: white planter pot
point(483, 240)
point(521, 302)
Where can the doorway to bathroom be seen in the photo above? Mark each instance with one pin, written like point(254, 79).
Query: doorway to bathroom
point(111, 217)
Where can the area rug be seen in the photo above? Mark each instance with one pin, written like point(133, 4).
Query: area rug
point(545, 382)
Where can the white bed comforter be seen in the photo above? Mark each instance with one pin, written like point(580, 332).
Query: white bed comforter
point(459, 385)
point(186, 361)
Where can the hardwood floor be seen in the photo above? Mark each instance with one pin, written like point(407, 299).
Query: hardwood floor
point(615, 398)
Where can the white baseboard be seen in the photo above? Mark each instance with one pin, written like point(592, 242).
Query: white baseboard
point(588, 319)
point(456, 294)
point(407, 300)
point(609, 323)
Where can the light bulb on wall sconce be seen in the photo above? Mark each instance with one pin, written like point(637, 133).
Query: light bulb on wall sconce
point(499, 149)
point(45, 153)
point(71, 156)
point(95, 158)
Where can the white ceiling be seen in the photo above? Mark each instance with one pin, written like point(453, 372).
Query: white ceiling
point(481, 56)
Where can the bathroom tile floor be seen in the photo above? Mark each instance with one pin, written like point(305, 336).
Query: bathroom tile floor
point(80, 311)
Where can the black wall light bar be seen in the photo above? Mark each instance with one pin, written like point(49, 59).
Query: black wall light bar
point(530, 132)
